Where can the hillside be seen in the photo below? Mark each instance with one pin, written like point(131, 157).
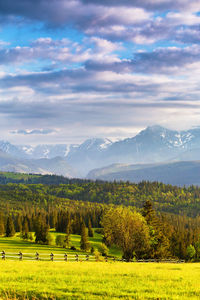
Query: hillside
point(60, 192)
point(56, 165)
point(176, 173)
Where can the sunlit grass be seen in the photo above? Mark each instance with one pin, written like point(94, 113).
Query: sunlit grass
point(92, 280)
point(16, 244)
point(76, 280)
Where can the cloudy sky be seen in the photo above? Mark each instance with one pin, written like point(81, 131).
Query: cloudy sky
point(73, 69)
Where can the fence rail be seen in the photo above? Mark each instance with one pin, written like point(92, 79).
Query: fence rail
point(74, 257)
point(46, 256)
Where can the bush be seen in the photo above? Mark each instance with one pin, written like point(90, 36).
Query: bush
point(73, 248)
point(191, 252)
point(97, 255)
point(104, 250)
point(60, 241)
point(49, 239)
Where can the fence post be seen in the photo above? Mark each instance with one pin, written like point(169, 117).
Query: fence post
point(37, 256)
point(51, 256)
point(76, 257)
point(20, 255)
point(3, 255)
point(65, 257)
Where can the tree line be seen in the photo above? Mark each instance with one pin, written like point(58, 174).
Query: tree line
point(139, 233)
point(165, 198)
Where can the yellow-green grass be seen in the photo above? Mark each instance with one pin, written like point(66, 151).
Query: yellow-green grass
point(16, 244)
point(82, 280)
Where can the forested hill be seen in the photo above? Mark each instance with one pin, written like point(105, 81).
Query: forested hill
point(9, 177)
point(165, 198)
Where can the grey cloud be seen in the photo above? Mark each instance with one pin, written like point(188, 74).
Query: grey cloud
point(147, 33)
point(68, 113)
point(102, 18)
point(162, 60)
point(148, 4)
point(190, 35)
point(60, 12)
point(33, 131)
point(76, 81)
point(45, 49)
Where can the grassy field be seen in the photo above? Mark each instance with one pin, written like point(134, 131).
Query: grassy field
point(82, 280)
point(92, 280)
point(16, 244)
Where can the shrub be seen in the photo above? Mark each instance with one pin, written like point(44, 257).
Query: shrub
point(73, 248)
point(49, 239)
point(104, 250)
point(60, 241)
point(97, 255)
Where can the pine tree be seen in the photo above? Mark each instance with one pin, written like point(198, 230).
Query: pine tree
point(10, 229)
point(148, 212)
point(67, 237)
point(159, 240)
point(90, 230)
point(18, 223)
point(41, 231)
point(85, 245)
point(25, 229)
point(2, 226)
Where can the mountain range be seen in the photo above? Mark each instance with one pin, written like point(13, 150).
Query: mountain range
point(153, 145)
point(175, 173)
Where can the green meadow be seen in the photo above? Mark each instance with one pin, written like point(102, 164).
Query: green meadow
point(98, 280)
point(16, 244)
point(91, 280)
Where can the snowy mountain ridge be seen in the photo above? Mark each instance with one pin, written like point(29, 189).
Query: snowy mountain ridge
point(154, 144)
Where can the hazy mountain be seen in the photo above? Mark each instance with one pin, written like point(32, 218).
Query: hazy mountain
point(56, 165)
point(191, 154)
point(46, 151)
point(88, 155)
point(12, 150)
point(177, 173)
point(154, 144)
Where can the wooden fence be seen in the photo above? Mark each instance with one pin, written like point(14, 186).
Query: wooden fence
point(46, 256)
point(73, 257)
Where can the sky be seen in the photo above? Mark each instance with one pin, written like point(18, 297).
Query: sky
point(75, 69)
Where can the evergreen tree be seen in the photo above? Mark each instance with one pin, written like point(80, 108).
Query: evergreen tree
point(90, 230)
point(41, 231)
point(18, 225)
point(10, 229)
point(2, 226)
point(25, 229)
point(159, 242)
point(85, 245)
point(67, 237)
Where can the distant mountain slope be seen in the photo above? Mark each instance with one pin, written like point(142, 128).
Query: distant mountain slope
point(154, 144)
point(177, 173)
point(88, 155)
point(57, 165)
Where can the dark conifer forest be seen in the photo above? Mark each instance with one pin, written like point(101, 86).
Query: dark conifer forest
point(166, 218)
